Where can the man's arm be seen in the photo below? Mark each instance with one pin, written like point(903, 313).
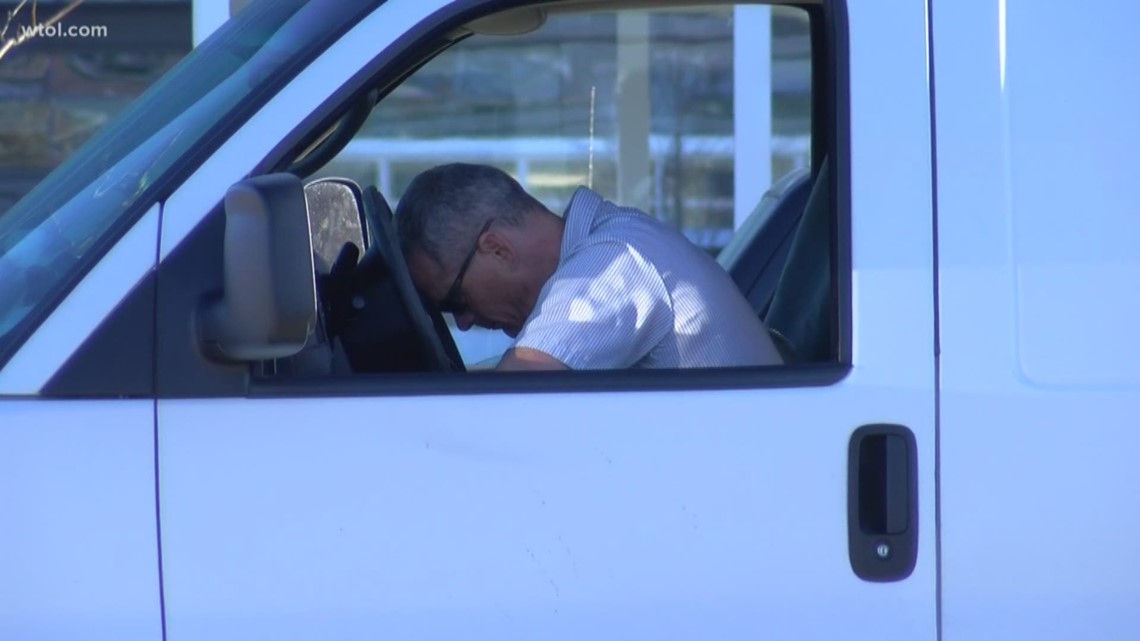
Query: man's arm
point(526, 359)
point(605, 308)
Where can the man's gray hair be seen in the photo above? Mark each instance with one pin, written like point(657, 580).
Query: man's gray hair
point(446, 206)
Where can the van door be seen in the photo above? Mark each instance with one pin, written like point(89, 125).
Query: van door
point(685, 504)
point(1038, 264)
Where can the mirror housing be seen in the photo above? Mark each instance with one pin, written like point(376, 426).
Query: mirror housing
point(268, 306)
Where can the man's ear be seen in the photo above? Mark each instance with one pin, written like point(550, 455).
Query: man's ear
point(500, 246)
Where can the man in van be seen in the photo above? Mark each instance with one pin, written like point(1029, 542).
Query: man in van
point(600, 287)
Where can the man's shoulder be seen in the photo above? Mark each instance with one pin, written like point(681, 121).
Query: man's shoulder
point(602, 227)
point(635, 230)
point(594, 213)
point(614, 223)
point(594, 254)
point(604, 259)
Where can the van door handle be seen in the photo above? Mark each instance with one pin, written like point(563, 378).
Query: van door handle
point(882, 502)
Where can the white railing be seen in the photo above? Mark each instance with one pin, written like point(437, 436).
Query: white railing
point(385, 152)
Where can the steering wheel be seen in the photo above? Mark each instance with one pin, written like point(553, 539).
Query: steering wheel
point(430, 327)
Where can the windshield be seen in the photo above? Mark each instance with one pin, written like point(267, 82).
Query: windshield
point(50, 238)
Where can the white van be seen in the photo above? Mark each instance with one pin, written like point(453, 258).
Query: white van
point(205, 436)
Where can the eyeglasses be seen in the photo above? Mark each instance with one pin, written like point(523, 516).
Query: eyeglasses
point(454, 302)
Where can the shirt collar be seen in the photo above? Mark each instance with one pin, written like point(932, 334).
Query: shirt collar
point(579, 218)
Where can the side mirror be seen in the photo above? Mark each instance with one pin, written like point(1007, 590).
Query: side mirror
point(268, 306)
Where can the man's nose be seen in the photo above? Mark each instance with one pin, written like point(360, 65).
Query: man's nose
point(464, 321)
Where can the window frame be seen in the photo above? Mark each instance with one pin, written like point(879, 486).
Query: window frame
point(391, 66)
point(830, 135)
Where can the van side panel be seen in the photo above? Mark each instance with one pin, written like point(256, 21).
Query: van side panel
point(1038, 272)
point(78, 540)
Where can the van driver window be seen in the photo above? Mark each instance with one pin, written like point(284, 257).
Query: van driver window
point(611, 190)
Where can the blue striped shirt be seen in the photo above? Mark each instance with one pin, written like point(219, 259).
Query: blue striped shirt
point(630, 291)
